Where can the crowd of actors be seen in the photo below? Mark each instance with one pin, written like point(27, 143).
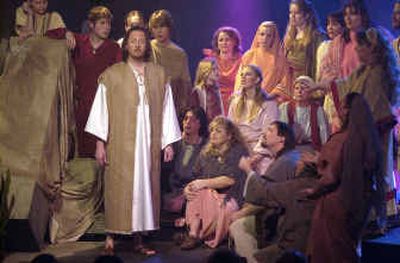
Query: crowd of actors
point(285, 147)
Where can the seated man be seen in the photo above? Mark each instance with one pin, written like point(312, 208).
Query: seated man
point(186, 150)
point(280, 140)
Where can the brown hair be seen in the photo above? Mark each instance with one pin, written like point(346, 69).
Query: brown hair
point(135, 13)
point(147, 52)
point(232, 33)
point(161, 17)
point(231, 129)
point(99, 12)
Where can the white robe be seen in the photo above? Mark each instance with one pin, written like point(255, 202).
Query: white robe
point(97, 124)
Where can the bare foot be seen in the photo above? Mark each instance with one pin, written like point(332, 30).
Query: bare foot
point(109, 246)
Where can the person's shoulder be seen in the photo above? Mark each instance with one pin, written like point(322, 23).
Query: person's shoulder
point(112, 44)
point(291, 156)
point(117, 67)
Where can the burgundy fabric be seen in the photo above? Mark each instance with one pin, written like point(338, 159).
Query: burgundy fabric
point(350, 166)
point(89, 64)
point(315, 137)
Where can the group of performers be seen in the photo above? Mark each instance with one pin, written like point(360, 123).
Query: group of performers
point(299, 128)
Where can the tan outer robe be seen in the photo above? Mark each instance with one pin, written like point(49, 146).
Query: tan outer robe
point(175, 62)
point(122, 101)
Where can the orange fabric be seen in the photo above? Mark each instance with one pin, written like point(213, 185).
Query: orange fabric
point(272, 62)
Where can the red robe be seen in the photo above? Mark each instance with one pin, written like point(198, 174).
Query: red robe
point(89, 64)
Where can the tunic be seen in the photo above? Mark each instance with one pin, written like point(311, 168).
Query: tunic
point(89, 64)
point(175, 62)
point(135, 116)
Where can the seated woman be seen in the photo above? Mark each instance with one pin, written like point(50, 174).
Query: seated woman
point(306, 117)
point(206, 93)
point(350, 165)
point(186, 151)
point(252, 110)
point(217, 193)
point(33, 19)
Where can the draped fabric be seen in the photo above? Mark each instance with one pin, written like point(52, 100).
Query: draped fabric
point(272, 62)
point(36, 123)
point(41, 23)
point(350, 165)
point(227, 70)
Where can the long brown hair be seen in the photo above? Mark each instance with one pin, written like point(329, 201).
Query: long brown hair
point(236, 137)
point(306, 7)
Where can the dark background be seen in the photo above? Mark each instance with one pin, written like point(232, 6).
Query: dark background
point(196, 20)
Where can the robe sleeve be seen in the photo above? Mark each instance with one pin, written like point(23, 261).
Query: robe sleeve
point(171, 131)
point(97, 123)
point(323, 125)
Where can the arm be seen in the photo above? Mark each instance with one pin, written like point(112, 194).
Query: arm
point(218, 182)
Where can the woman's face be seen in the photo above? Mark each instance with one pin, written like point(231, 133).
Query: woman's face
point(265, 36)
point(248, 78)
point(352, 19)
point(225, 43)
point(300, 91)
point(39, 6)
point(333, 28)
point(219, 135)
point(297, 18)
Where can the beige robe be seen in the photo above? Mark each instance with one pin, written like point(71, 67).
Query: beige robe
point(122, 107)
point(175, 62)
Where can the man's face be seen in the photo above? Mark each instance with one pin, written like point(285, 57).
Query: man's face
point(136, 44)
point(191, 125)
point(271, 138)
point(101, 28)
point(396, 16)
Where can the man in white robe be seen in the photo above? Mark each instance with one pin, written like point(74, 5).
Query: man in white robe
point(133, 116)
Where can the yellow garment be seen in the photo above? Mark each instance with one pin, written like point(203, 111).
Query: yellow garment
point(41, 23)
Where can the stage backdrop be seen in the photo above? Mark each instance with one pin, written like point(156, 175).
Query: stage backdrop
point(196, 20)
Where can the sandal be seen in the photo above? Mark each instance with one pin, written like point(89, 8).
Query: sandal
point(145, 250)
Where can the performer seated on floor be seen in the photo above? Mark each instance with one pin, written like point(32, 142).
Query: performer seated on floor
point(194, 135)
point(218, 192)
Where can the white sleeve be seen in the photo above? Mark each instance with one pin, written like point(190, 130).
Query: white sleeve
point(323, 125)
point(97, 123)
point(171, 131)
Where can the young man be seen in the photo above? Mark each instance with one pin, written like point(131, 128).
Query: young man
point(172, 57)
point(133, 117)
point(92, 54)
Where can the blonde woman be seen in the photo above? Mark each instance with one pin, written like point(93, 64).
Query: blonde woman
point(206, 93)
point(218, 191)
point(266, 52)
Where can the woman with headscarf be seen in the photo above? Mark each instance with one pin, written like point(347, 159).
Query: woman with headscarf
point(266, 52)
point(350, 166)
